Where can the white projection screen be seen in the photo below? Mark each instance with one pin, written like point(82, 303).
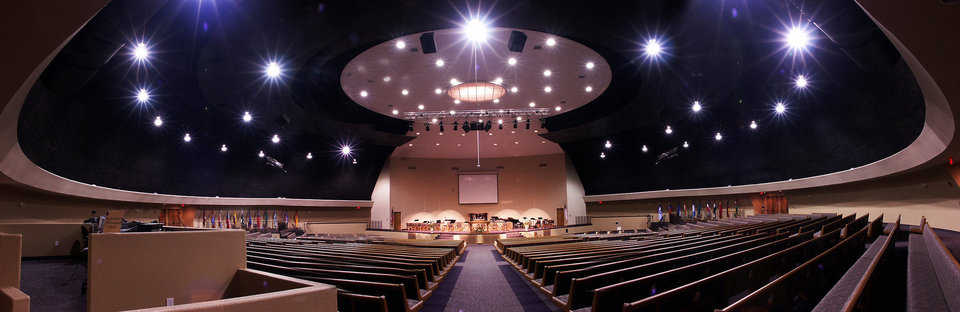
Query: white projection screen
point(478, 188)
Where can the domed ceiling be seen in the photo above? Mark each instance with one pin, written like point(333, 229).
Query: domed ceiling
point(260, 98)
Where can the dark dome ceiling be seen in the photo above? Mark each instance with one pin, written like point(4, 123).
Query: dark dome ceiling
point(206, 63)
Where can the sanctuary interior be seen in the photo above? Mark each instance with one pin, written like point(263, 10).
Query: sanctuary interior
point(404, 156)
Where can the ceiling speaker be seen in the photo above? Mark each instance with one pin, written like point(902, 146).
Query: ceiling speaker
point(427, 45)
point(517, 40)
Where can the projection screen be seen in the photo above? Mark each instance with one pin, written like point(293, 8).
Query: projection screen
point(478, 188)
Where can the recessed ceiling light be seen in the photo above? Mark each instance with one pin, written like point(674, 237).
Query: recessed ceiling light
point(668, 130)
point(309, 155)
point(685, 144)
point(607, 144)
point(718, 136)
point(532, 104)
point(496, 100)
point(157, 121)
point(516, 142)
point(140, 52)
point(588, 89)
point(143, 95)
point(519, 118)
point(345, 150)
point(363, 93)
point(547, 89)
point(275, 139)
point(514, 89)
point(476, 31)
point(261, 154)
point(589, 65)
point(223, 148)
point(652, 48)
point(800, 82)
point(401, 44)
point(404, 92)
point(272, 70)
point(187, 138)
point(456, 101)
point(780, 108)
point(753, 124)
point(547, 73)
point(551, 42)
point(438, 143)
point(454, 81)
point(420, 107)
point(439, 63)
point(395, 112)
point(500, 121)
point(247, 117)
point(543, 142)
point(511, 61)
point(453, 112)
point(797, 38)
point(410, 145)
point(437, 90)
point(557, 108)
point(644, 148)
point(499, 80)
point(696, 106)
point(603, 155)
point(386, 79)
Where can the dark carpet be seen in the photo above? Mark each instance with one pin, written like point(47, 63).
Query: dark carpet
point(53, 284)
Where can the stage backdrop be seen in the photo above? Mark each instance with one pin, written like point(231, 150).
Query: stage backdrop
point(427, 189)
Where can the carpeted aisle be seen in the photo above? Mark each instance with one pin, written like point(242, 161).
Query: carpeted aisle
point(482, 281)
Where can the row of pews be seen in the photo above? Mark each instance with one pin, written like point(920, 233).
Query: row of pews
point(761, 263)
point(388, 276)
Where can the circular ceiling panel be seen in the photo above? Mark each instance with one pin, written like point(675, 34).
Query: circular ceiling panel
point(544, 75)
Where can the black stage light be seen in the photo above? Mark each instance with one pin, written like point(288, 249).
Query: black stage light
point(441, 126)
point(500, 126)
point(528, 123)
point(410, 126)
point(427, 45)
point(488, 126)
point(543, 124)
point(426, 125)
point(514, 123)
point(517, 40)
point(454, 126)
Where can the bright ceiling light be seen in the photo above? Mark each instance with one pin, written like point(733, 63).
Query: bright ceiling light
point(453, 112)
point(223, 148)
point(396, 112)
point(797, 38)
point(547, 89)
point(456, 101)
point(439, 62)
point(718, 136)
point(532, 104)
point(157, 121)
point(547, 73)
point(454, 81)
point(696, 107)
point(588, 89)
point(480, 91)
point(603, 155)
point(780, 108)
point(309, 155)
point(589, 65)
point(498, 81)
point(668, 130)
point(143, 95)
point(644, 149)
point(476, 31)
point(140, 52)
point(363, 93)
point(500, 121)
point(438, 91)
point(551, 42)
point(519, 118)
point(404, 92)
point(261, 154)
point(433, 120)
point(247, 117)
point(420, 107)
point(272, 70)
point(800, 82)
point(400, 44)
point(275, 139)
point(514, 89)
point(652, 48)
point(753, 124)
point(345, 150)
point(496, 100)
point(187, 138)
point(607, 144)
point(511, 61)
point(386, 78)
point(685, 144)
point(557, 108)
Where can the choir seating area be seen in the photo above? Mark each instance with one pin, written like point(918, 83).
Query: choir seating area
point(388, 275)
point(768, 263)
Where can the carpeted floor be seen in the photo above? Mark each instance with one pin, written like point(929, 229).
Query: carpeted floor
point(483, 281)
point(53, 284)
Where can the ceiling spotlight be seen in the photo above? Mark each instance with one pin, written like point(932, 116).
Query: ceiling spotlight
point(247, 117)
point(644, 148)
point(476, 31)
point(718, 137)
point(261, 154)
point(272, 70)
point(551, 42)
point(511, 61)
point(500, 121)
point(420, 107)
point(499, 80)
point(797, 38)
point(157, 122)
point(386, 79)
point(519, 118)
point(589, 65)
point(439, 63)
point(396, 112)
point(454, 81)
point(345, 150)
point(187, 138)
point(603, 155)
point(532, 104)
point(557, 108)
point(354, 161)
point(685, 144)
point(780, 108)
point(401, 44)
point(547, 73)
point(496, 100)
point(452, 112)
point(588, 89)
point(275, 139)
point(668, 130)
point(514, 89)
point(800, 82)
point(223, 148)
point(753, 124)
point(652, 48)
point(140, 52)
point(456, 101)
point(309, 155)
point(547, 89)
point(607, 144)
point(438, 91)
point(363, 93)
point(433, 120)
point(696, 106)
point(143, 95)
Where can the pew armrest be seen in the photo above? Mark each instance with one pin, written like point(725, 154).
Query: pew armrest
point(14, 300)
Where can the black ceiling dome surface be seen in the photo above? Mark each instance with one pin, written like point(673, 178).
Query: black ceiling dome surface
point(81, 121)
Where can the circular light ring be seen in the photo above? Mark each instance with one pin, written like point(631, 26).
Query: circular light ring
point(478, 91)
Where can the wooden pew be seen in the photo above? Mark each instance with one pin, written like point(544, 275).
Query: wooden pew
point(431, 270)
point(289, 261)
point(409, 282)
point(351, 302)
